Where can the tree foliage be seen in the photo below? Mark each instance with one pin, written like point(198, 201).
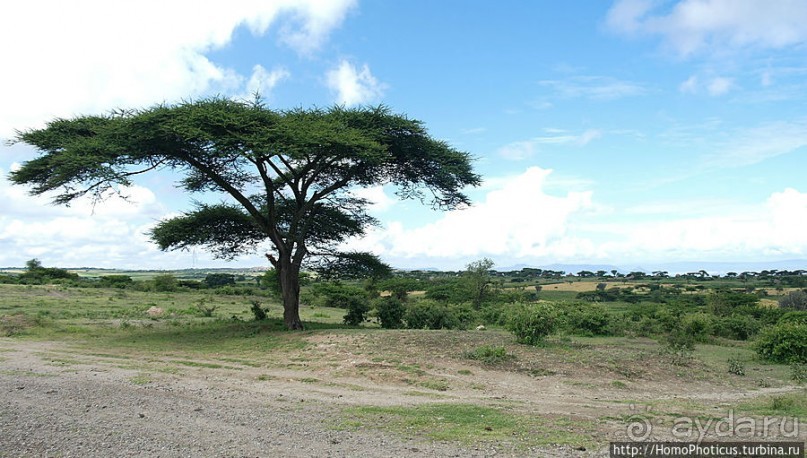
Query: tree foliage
point(285, 177)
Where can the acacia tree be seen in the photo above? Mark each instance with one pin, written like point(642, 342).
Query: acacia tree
point(285, 177)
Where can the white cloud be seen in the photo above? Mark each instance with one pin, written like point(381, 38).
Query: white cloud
point(518, 151)
point(516, 219)
point(379, 200)
point(263, 81)
point(714, 86)
point(690, 86)
point(720, 86)
point(691, 26)
point(69, 58)
point(753, 145)
point(82, 234)
point(353, 86)
point(314, 20)
point(772, 228)
point(525, 149)
point(594, 87)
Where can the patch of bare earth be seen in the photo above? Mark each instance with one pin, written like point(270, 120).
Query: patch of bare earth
point(58, 400)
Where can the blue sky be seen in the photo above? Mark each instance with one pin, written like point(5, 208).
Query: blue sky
point(630, 132)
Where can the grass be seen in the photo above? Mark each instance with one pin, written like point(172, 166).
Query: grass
point(426, 366)
point(488, 354)
point(791, 405)
point(470, 424)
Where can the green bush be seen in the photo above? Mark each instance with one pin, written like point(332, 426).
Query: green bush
point(725, 303)
point(798, 372)
point(587, 319)
point(430, 314)
point(531, 323)
point(336, 295)
point(115, 281)
point(736, 366)
point(737, 327)
point(783, 343)
point(697, 325)
point(390, 312)
point(494, 314)
point(258, 311)
point(679, 346)
point(356, 312)
point(488, 354)
point(794, 317)
point(217, 280)
point(165, 283)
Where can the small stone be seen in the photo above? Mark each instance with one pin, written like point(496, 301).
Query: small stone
point(142, 415)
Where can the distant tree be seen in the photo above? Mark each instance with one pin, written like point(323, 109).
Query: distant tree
point(35, 272)
point(795, 300)
point(33, 265)
point(217, 280)
point(478, 281)
point(601, 286)
point(165, 283)
point(400, 287)
point(288, 176)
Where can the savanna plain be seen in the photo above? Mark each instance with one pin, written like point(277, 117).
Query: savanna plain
point(469, 363)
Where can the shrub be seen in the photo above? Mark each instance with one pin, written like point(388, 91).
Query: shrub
point(737, 327)
point(679, 346)
point(697, 325)
point(336, 295)
point(794, 317)
point(258, 311)
point(488, 354)
point(587, 319)
point(783, 343)
point(165, 283)
point(390, 312)
point(494, 314)
point(205, 310)
point(356, 312)
point(736, 366)
point(116, 281)
point(531, 323)
point(429, 314)
point(794, 300)
point(217, 280)
point(724, 302)
point(798, 372)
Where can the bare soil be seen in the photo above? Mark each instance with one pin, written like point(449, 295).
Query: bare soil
point(58, 399)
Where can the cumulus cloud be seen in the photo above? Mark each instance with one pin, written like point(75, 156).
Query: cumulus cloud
point(771, 228)
point(378, 199)
point(518, 218)
point(263, 81)
point(690, 26)
point(86, 233)
point(354, 86)
point(68, 58)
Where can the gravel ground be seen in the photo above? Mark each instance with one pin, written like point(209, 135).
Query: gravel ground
point(97, 411)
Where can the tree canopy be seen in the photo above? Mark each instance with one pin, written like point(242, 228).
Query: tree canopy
point(285, 176)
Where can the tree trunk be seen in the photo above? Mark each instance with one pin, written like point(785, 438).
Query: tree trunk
point(289, 275)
